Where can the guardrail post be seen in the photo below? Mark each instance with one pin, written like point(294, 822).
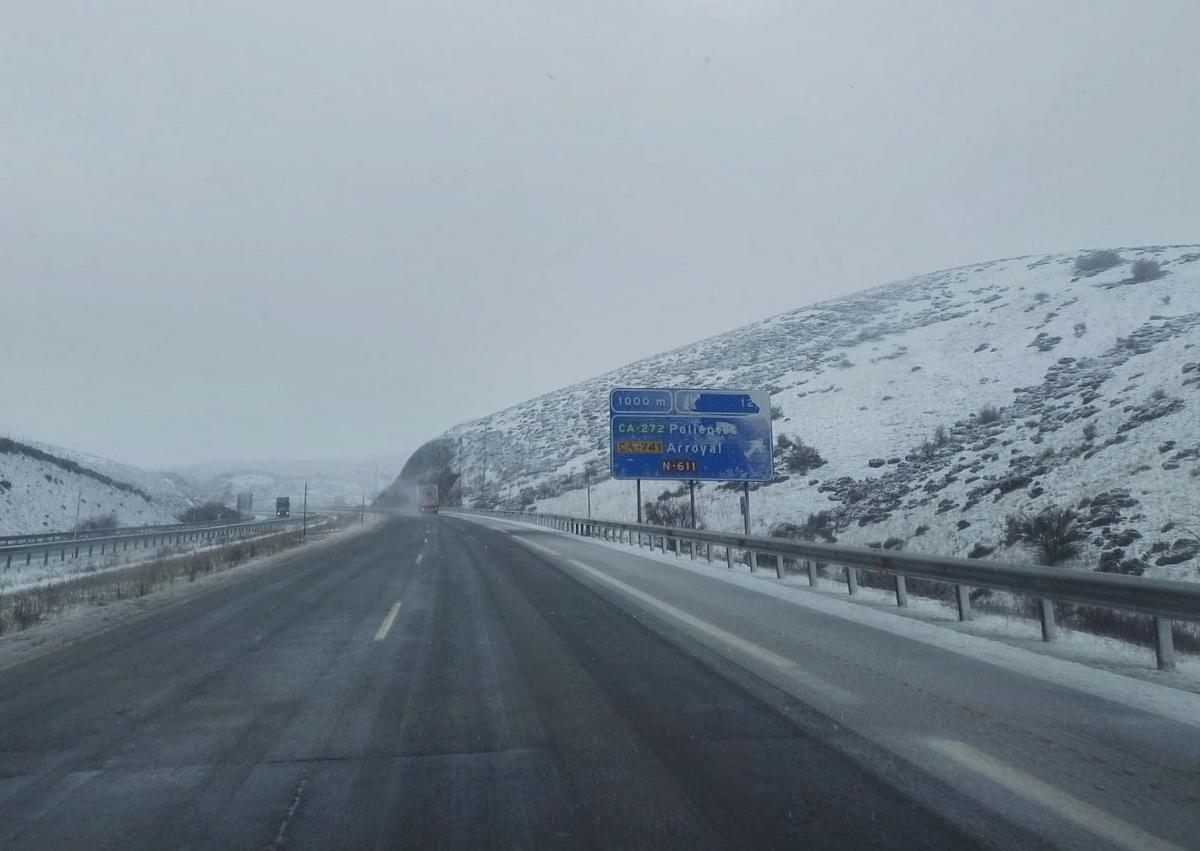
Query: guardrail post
point(692, 549)
point(852, 579)
point(778, 566)
point(1164, 644)
point(8, 562)
point(812, 573)
point(962, 594)
point(901, 591)
point(662, 543)
point(708, 552)
point(678, 547)
point(1046, 614)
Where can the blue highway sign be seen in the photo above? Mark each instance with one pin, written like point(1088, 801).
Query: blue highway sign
point(664, 433)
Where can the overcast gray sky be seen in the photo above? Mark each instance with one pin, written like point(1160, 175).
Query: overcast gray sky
point(234, 229)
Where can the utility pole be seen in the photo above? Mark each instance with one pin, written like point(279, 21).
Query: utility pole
point(363, 517)
point(483, 470)
point(304, 516)
point(78, 500)
point(588, 472)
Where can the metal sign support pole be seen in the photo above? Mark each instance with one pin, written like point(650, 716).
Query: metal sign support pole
point(746, 514)
point(639, 500)
point(304, 516)
point(692, 489)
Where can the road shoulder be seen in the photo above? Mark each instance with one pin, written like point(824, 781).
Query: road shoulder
point(83, 622)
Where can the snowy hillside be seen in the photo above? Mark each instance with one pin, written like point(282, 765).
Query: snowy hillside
point(1091, 362)
point(41, 485)
point(169, 490)
point(332, 482)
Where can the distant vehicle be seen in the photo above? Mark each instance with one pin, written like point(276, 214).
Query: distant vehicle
point(283, 506)
point(428, 499)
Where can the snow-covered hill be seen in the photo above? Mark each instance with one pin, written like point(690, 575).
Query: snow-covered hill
point(1090, 360)
point(332, 482)
point(41, 486)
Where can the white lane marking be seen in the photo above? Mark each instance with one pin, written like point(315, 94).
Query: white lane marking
point(420, 557)
point(1052, 798)
point(1165, 701)
point(750, 648)
point(538, 546)
point(387, 622)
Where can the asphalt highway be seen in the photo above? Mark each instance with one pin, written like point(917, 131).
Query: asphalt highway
point(441, 682)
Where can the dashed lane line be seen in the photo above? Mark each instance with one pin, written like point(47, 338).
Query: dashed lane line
point(387, 622)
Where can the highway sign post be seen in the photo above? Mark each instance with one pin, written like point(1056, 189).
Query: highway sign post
point(695, 435)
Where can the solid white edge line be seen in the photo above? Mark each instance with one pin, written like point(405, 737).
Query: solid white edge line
point(1042, 794)
point(1141, 695)
point(387, 622)
point(756, 651)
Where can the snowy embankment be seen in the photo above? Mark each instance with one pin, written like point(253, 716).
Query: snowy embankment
point(42, 488)
point(938, 406)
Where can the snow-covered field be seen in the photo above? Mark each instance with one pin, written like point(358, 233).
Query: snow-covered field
point(1095, 378)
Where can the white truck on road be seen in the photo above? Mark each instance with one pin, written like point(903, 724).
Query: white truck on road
point(427, 498)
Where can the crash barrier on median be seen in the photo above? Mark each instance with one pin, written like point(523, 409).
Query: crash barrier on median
point(52, 537)
point(1165, 600)
point(63, 549)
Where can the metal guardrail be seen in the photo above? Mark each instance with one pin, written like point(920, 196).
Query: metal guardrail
point(51, 537)
point(62, 550)
point(1165, 600)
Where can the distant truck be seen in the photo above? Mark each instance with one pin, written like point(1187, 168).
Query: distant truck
point(283, 506)
point(427, 498)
